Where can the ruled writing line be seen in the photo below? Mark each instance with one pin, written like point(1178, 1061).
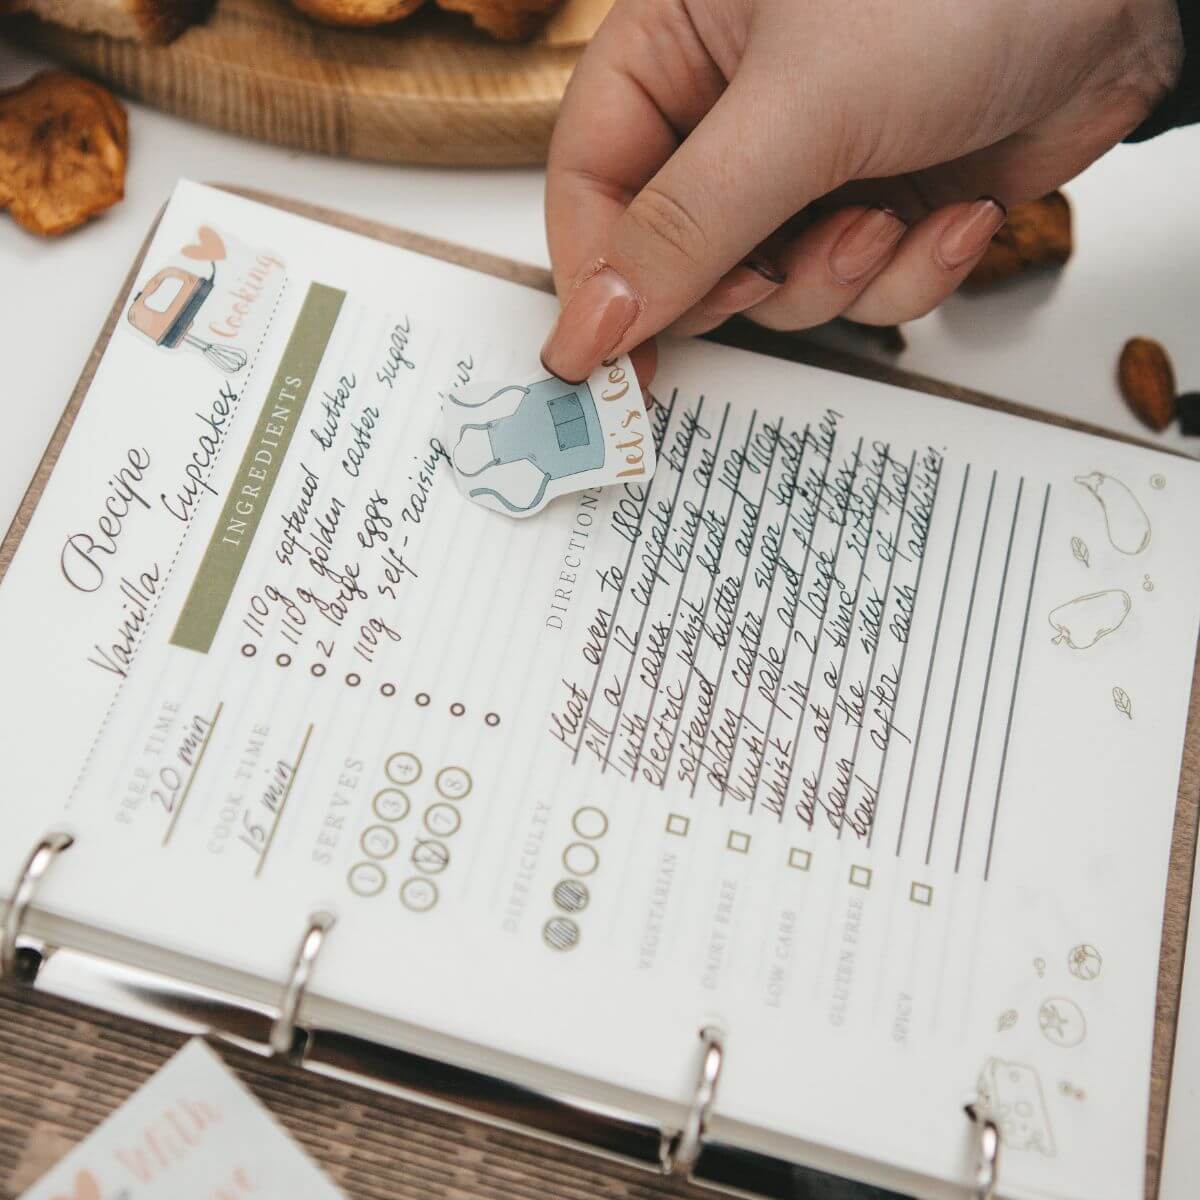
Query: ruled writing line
point(712, 586)
point(987, 677)
point(654, 582)
point(741, 588)
point(793, 488)
point(1037, 554)
point(716, 458)
point(887, 591)
point(633, 543)
point(962, 653)
point(287, 792)
point(187, 789)
point(937, 633)
point(814, 515)
point(904, 656)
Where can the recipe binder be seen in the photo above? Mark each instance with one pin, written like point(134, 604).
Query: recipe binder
point(280, 1028)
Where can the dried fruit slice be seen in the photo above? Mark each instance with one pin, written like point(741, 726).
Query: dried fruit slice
point(1036, 234)
point(63, 144)
point(357, 12)
point(508, 20)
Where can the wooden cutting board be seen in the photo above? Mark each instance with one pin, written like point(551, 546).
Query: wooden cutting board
point(427, 90)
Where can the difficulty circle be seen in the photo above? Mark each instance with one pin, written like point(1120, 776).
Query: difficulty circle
point(249, 650)
point(590, 822)
point(580, 859)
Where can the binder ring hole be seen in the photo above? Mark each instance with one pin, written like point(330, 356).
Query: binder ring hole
point(286, 1040)
point(679, 1153)
point(24, 966)
point(988, 1162)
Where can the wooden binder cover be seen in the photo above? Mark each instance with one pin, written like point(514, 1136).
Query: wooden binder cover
point(64, 1067)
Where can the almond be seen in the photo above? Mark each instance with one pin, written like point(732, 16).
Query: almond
point(1147, 382)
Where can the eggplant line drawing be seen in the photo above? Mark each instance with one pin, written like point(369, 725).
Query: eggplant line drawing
point(1125, 519)
point(1082, 622)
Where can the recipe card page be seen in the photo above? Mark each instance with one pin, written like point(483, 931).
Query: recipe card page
point(854, 727)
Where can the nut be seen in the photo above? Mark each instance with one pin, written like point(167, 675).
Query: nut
point(1035, 234)
point(1147, 382)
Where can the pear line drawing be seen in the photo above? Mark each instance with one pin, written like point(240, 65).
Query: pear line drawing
point(1082, 622)
point(1125, 519)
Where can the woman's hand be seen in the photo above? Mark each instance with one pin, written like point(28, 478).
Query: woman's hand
point(798, 160)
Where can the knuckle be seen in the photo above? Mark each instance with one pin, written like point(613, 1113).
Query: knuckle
point(658, 216)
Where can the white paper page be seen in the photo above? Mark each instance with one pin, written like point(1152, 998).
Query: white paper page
point(856, 730)
point(191, 1132)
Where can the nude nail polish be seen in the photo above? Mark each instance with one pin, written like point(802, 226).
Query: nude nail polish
point(968, 236)
point(865, 244)
point(598, 314)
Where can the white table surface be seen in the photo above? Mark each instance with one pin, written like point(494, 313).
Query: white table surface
point(1051, 341)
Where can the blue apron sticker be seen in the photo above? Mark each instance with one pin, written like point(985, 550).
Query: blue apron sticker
point(517, 446)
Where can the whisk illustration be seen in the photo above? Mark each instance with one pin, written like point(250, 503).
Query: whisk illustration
point(166, 307)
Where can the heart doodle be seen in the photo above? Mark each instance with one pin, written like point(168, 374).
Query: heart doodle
point(86, 1188)
point(208, 246)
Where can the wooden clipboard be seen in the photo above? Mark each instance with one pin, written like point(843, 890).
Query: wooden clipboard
point(64, 1067)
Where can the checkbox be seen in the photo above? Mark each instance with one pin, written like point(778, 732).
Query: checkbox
point(678, 824)
point(739, 843)
point(921, 893)
point(860, 877)
point(800, 859)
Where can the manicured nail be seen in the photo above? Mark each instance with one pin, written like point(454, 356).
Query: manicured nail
point(968, 236)
point(598, 314)
point(766, 270)
point(865, 244)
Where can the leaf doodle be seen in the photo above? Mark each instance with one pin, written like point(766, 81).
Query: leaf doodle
point(1007, 1020)
point(1121, 700)
point(1080, 551)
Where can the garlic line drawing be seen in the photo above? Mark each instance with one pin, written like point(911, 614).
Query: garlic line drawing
point(1122, 702)
point(1082, 622)
point(1125, 519)
point(1080, 551)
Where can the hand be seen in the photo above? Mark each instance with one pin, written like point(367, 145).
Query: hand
point(798, 160)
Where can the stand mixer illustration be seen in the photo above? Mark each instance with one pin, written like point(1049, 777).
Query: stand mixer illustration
point(166, 307)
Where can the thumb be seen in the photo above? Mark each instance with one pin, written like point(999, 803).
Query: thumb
point(742, 172)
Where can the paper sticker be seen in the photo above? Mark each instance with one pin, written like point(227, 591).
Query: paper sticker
point(211, 300)
point(515, 446)
point(191, 1130)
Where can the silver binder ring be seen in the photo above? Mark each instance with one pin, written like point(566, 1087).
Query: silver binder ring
point(283, 1028)
point(988, 1161)
point(36, 866)
point(680, 1153)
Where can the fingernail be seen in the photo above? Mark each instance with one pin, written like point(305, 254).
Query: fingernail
point(598, 314)
point(968, 236)
point(865, 244)
point(748, 284)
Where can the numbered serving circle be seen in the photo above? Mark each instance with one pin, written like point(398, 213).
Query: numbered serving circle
point(418, 894)
point(442, 819)
point(379, 841)
point(453, 782)
point(367, 879)
point(403, 768)
point(430, 856)
point(391, 804)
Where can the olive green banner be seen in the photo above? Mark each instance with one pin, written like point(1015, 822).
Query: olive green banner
point(260, 467)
